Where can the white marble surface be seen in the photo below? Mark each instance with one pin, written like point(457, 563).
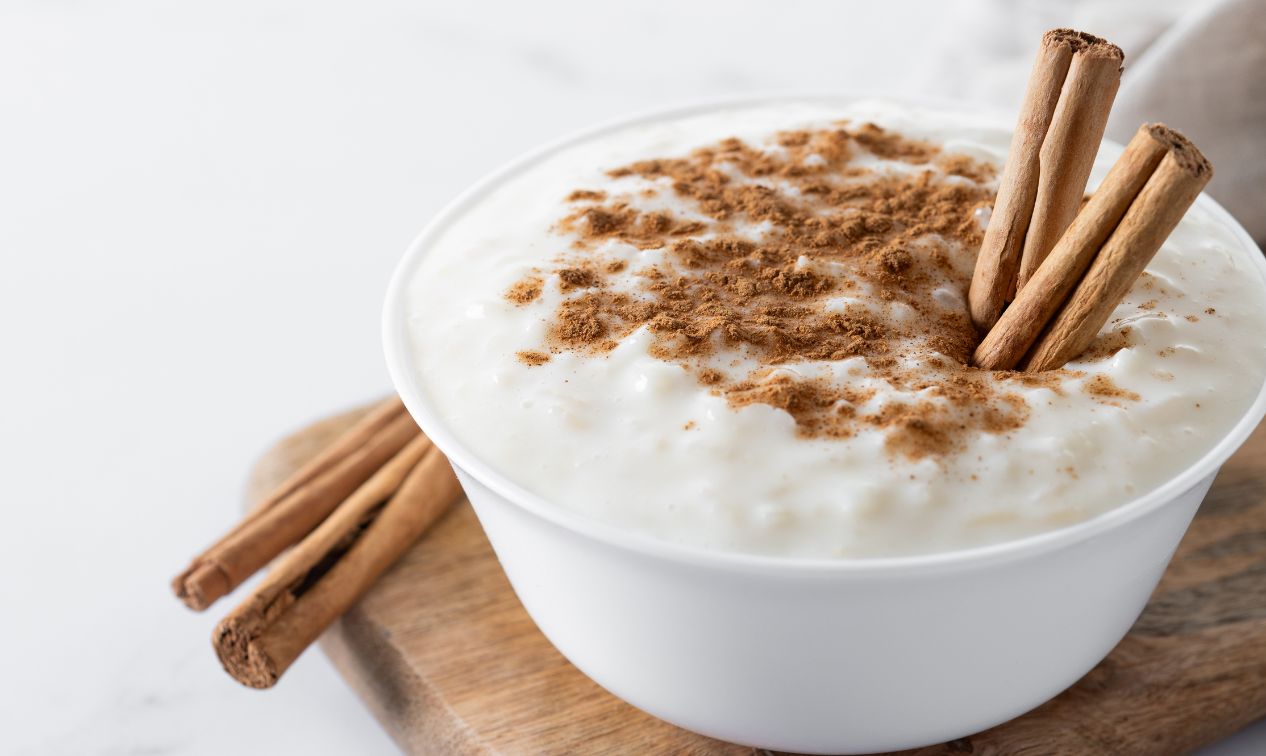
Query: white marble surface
point(199, 209)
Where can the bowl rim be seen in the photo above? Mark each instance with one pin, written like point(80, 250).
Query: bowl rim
point(407, 383)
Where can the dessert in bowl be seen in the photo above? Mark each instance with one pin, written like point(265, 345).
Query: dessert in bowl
point(705, 378)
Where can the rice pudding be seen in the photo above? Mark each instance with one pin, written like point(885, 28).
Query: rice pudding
point(747, 330)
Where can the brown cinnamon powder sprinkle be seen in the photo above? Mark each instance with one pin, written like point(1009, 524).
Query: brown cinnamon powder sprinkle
point(577, 278)
point(525, 291)
point(1102, 387)
point(886, 144)
point(1108, 344)
point(790, 253)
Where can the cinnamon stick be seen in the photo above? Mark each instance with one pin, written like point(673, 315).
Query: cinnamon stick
point(1069, 149)
point(1034, 306)
point(296, 507)
point(355, 437)
point(995, 277)
point(1171, 188)
point(330, 569)
point(998, 262)
point(364, 429)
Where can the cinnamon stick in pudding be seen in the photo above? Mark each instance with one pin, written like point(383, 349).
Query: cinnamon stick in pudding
point(296, 506)
point(995, 277)
point(1175, 183)
point(331, 568)
point(1023, 321)
point(1069, 149)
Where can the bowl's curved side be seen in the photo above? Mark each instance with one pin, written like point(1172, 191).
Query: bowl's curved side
point(831, 662)
point(407, 383)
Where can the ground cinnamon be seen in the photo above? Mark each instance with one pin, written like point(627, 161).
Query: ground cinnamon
point(832, 231)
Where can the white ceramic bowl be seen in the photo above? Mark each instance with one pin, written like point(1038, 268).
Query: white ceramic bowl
point(816, 656)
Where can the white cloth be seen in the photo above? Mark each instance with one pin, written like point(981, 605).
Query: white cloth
point(1206, 77)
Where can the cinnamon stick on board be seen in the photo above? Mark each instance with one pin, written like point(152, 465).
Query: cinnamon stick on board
point(353, 438)
point(330, 569)
point(296, 507)
point(997, 269)
point(1023, 321)
point(1170, 189)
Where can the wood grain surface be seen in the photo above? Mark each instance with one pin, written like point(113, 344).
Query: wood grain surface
point(448, 661)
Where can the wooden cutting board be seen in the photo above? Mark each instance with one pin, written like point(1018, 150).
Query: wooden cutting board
point(449, 662)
